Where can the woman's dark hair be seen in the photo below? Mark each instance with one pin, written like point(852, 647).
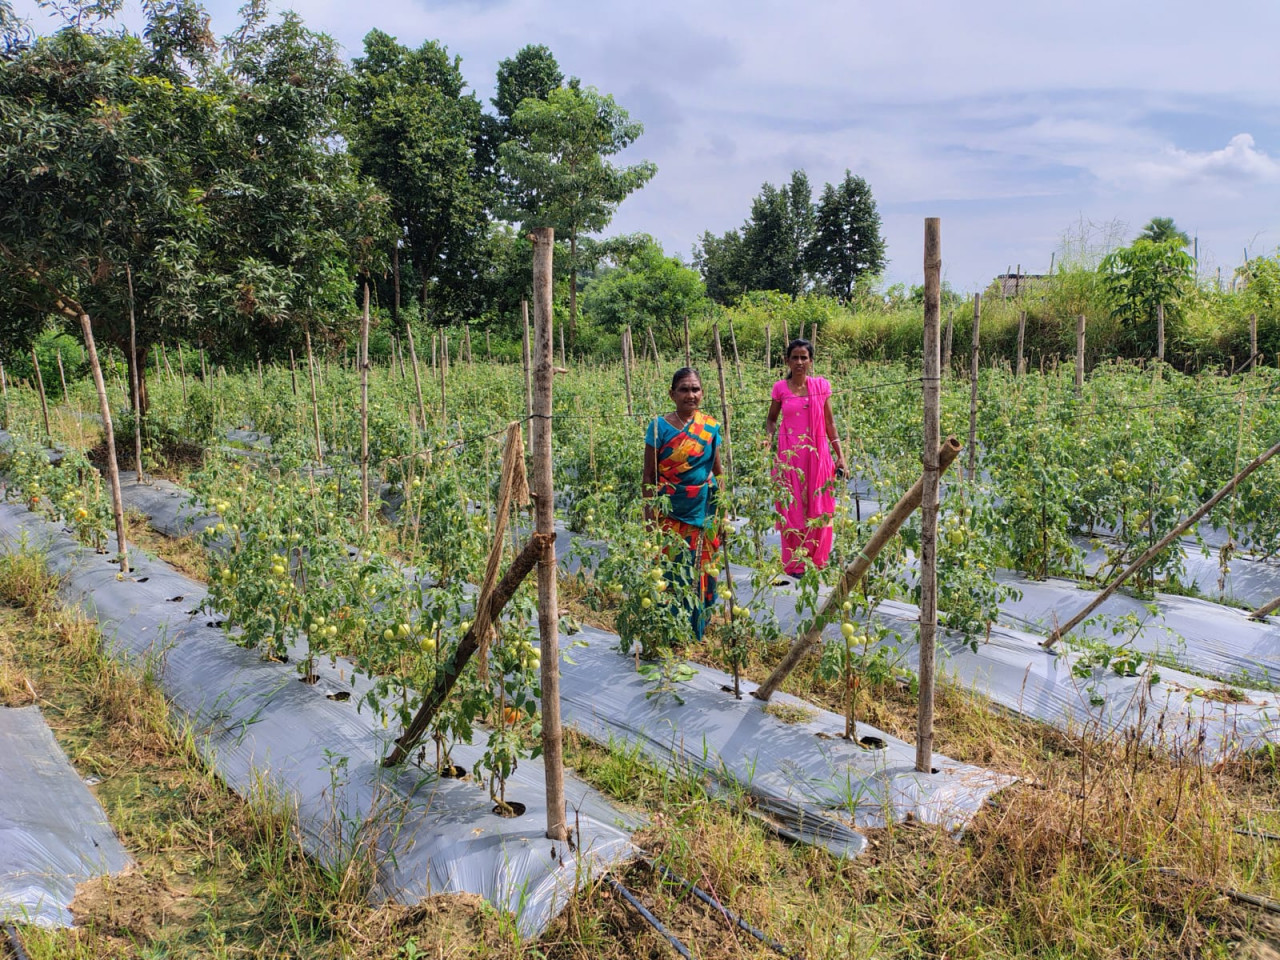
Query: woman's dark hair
point(798, 342)
point(682, 373)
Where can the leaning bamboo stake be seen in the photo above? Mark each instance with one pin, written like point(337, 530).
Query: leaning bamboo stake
point(417, 377)
point(544, 514)
point(364, 410)
point(1167, 539)
point(108, 429)
point(733, 343)
point(728, 462)
point(62, 375)
point(293, 372)
point(893, 520)
point(1020, 365)
point(946, 342)
point(466, 334)
point(135, 378)
point(973, 388)
point(164, 355)
point(44, 404)
point(452, 668)
point(724, 403)
point(929, 491)
point(315, 403)
point(182, 369)
point(1265, 610)
point(653, 347)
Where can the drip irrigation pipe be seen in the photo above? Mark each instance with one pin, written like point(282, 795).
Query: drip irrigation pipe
point(720, 908)
point(653, 921)
point(15, 942)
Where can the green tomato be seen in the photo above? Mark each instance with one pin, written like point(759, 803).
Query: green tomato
point(646, 603)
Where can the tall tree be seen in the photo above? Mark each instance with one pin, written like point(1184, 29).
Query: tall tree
point(415, 129)
point(558, 170)
point(1162, 230)
point(1138, 280)
point(720, 261)
point(646, 287)
point(846, 242)
point(531, 74)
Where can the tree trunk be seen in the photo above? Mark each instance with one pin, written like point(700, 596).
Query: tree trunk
point(544, 515)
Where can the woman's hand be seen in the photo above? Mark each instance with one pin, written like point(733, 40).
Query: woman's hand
point(842, 469)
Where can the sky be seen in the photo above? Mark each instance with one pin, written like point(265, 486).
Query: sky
point(1032, 129)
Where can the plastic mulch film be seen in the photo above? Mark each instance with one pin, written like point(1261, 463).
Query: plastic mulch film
point(53, 833)
point(802, 776)
point(263, 731)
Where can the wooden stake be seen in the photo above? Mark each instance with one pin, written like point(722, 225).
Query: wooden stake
point(973, 385)
point(417, 377)
point(544, 513)
point(113, 468)
point(688, 353)
point(830, 610)
point(1160, 332)
point(444, 371)
point(488, 348)
point(466, 334)
point(1253, 339)
point(134, 378)
point(364, 409)
point(164, 355)
point(733, 342)
point(1020, 365)
point(626, 365)
point(4, 394)
point(293, 371)
point(929, 492)
point(946, 343)
point(204, 369)
point(1080, 355)
point(44, 403)
point(653, 348)
point(63, 376)
point(261, 382)
point(768, 347)
point(1267, 608)
point(528, 369)
point(1167, 539)
point(562, 360)
point(724, 403)
point(315, 403)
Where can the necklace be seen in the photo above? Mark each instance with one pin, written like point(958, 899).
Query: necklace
point(683, 423)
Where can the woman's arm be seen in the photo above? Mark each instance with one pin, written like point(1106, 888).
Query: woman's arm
point(833, 437)
point(649, 481)
point(771, 421)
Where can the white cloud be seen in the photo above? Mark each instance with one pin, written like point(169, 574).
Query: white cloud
point(1239, 164)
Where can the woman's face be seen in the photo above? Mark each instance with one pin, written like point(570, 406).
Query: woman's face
point(687, 396)
point(798, 361)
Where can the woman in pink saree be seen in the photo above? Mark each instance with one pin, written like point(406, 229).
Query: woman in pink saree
point(804, 463)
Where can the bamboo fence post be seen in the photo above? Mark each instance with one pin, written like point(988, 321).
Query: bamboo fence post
point(528, 370)
point(929, 493)
point(768, 347)
point(182, 371)
point(488, 347)
point(315, 403)
point(1253, 338)
point(786, 335)
point(364, 409)
point(44, 404)
point(204, 369)
point(946, 343)
point(444, 372)
point(261, 383)
point(544, 512)
point(733, 343)
point(724, 403)
point(813, 341)
point(973, 387)
point(562, 360)
point(894, 519)
point(688, 351)
point(435, 345)
point(164, 355)
point(399, 359)
point(293, 371)
point(134, 376)
point(1168, 538)
point(4, 396)
point(113, 468)
point(1020, 366)
point(653, 347)
point(417, 377)
point(1080, 355)
point(62, 376)
point(626, 365)
point(1160, 332)
point(466, 334)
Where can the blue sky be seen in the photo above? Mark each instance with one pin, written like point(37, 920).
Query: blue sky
point(1020, 124)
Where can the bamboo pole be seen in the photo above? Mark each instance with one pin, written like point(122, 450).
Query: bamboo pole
point(528, 370)
point(417, 377)
point(164, 355)
point(261, 382)
point(946, 343)
point(444, 372)
point(44, 403)
point(653, 347)
point(1020, 365)
point(466, 335)
point(893, 520)
point(182, 370)
point(562, 360)
point(108, 429)
point(626, 365)
point(1160, 332)
point(1266, 609)
point(62, 375)
point(315, 403)
point(688, 350)
point(1167, 539)
point(1253, 338)
point(733, 343)
point(724, 403)
point(544, 514)
point(768, 347)
point(204, 368)
point(1080, 355)
point(134, 378)
point(293, 373)
point(973, 388)
point(929, 492)
point(364, 409)
point(488, 347)
point(4, 396)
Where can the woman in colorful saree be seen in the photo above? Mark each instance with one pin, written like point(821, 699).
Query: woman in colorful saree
point(681, 463)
